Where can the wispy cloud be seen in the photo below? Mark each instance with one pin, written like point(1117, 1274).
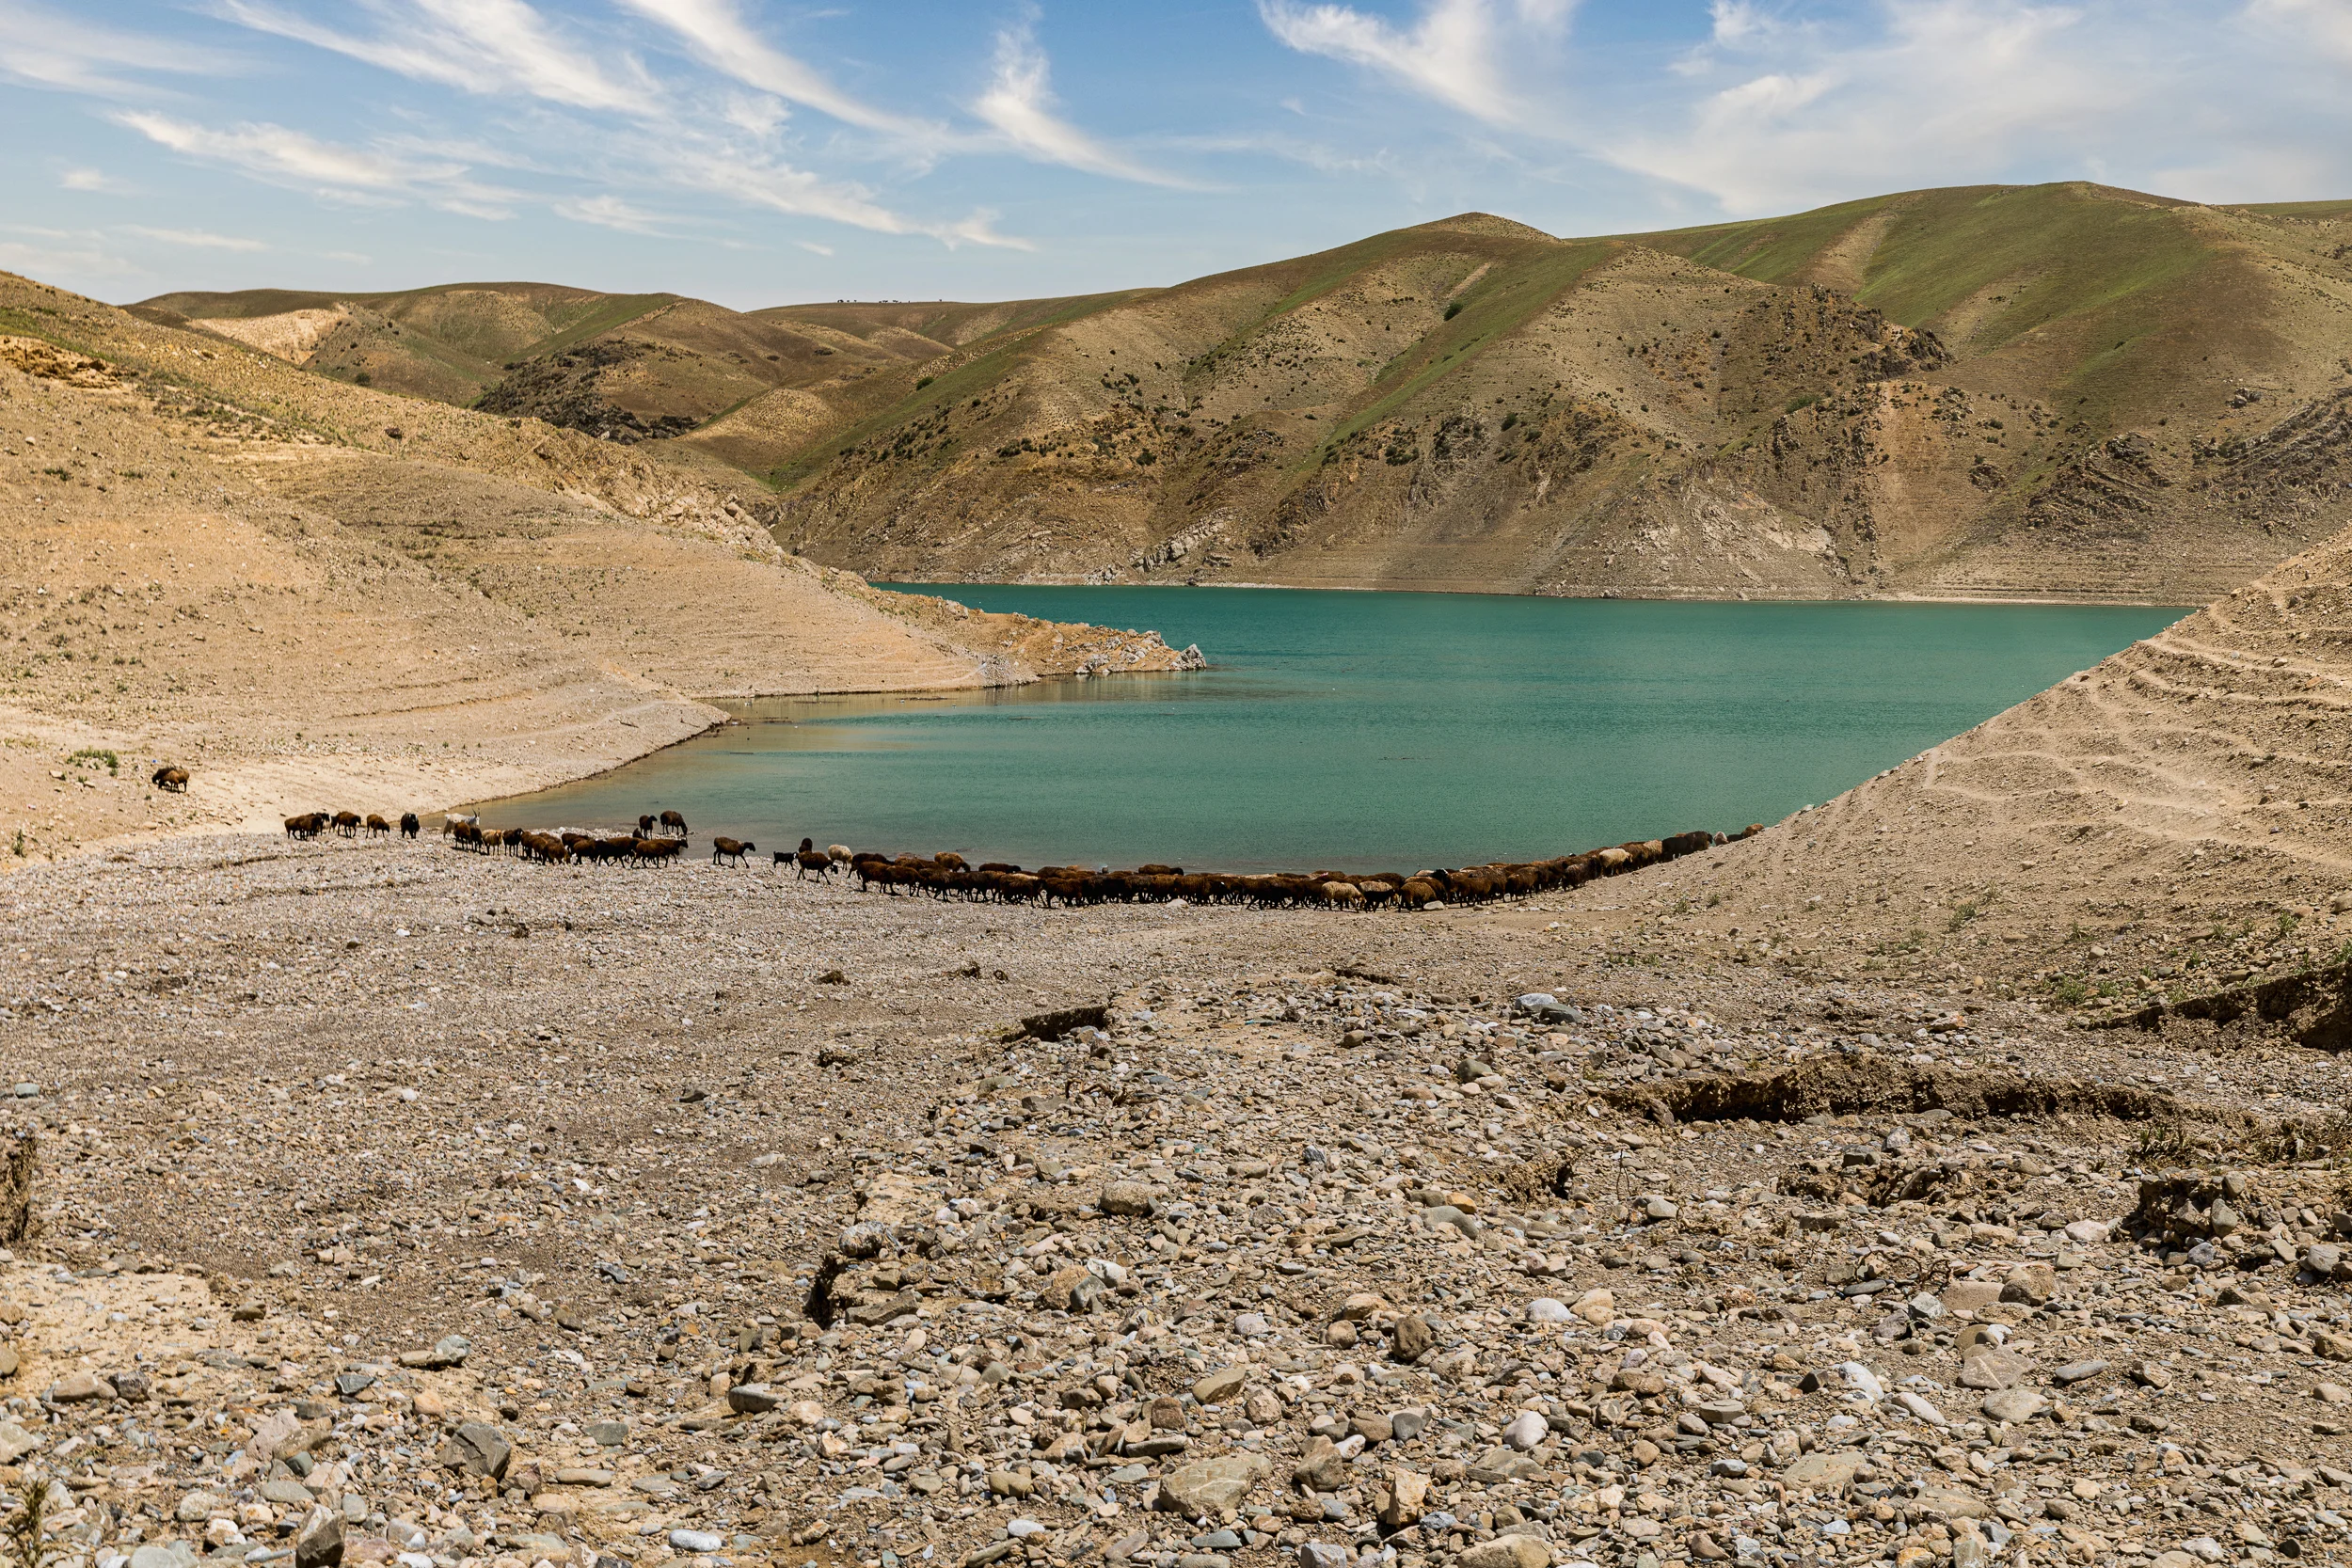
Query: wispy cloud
point(729, 145)
point(1460, 53)
point(747, 177)
point(715, 32)
point(2322, 24)
point(611, 211)
point(280, 156)
point(60, 253)
point(200, 239)
point(979, 228)
point(1948, 91)
point(813, 247)
point(68, 50)
point(479, 46)
point(1019, 104)
point(93, 180)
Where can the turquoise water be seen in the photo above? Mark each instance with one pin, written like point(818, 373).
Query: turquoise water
point(1369, 731)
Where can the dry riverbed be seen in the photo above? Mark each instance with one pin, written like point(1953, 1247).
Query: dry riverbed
point(398, 1203)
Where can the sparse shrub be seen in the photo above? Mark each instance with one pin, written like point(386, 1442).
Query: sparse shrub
point(924, 382)
point(23, 1529)
point(95, 757)
point(1453, 310)
point(2164, 1143)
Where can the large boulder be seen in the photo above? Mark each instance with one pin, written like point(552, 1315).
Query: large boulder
point(478, 1449)
point(1207, 1487)
point(319, 1541)
point(1507, 1551)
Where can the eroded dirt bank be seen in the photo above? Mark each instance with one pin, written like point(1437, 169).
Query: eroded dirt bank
point(310, 595)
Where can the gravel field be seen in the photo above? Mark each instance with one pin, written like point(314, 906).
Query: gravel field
point(394, 1202)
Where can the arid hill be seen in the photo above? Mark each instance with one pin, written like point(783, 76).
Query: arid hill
point(2173, 823)
point(315, 595)
point(2050, 390)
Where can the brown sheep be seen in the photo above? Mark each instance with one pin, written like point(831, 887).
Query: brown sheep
point(730, 849)
point(645, 826)
point(173, 779)
point(543, 847)
point(672, 819)
point(308, 825)
point(377, 825)
point(347, 823)
point(809, 859)
point(410, 826)
point(953, 861)
point(652, 851)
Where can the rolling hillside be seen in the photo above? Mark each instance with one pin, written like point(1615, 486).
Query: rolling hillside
point(2061, 390)
point(302, 589)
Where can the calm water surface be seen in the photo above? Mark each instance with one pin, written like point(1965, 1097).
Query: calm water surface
point(1369, 730)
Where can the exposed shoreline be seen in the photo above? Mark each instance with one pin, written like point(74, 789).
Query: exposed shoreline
point(922, 585)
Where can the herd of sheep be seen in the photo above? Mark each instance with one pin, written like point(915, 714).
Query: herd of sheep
point(350, 824)
point(949, 875)
point(663, 837)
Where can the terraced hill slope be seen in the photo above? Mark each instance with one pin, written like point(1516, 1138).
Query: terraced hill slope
point(2167, 827)
point(2061, 390)
point(310, 593)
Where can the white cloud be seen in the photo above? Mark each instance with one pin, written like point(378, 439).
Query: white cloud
point(66, 50)
point(1738, 21)
point(1019, 104)
point(197, 238)
point(1461, 53)
point(280, 156)
point(979, 228)
point(813, 247)
point(80, 253)
point(480, 46)
point(93, 180)
point(1949, 93)
point(780, 187)
point(721, 40)
point(2324, 25)
point(611, 211)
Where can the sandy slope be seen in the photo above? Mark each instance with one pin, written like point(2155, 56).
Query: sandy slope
point(2169, 822)
point(208, 558)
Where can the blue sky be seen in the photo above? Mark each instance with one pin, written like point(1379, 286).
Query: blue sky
point(761, 152)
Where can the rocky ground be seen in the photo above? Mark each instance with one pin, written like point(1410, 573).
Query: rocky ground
point(393, 1203)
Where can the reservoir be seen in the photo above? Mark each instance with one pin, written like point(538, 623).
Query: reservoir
point(1366, 731)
